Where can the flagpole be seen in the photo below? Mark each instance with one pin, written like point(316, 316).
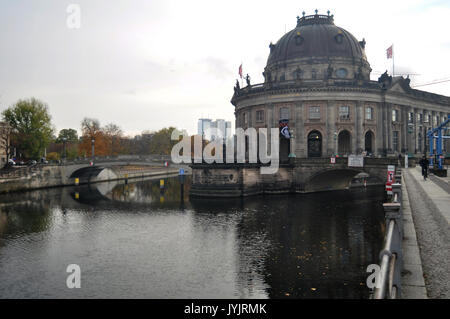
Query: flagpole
point(393, 63)
point(242, 80)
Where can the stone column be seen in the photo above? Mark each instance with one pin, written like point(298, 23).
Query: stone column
point(292, 117)
point(331, 128)
point(300, 139)
point(359, 128)
point(269, 123)
point(404, 130)
point(379, 136)
point(389, 126)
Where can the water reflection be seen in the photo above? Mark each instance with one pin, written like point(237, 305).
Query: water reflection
point(137, 240)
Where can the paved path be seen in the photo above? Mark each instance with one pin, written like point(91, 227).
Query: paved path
point(430, 206)
point(442, 182)
point(413, 283)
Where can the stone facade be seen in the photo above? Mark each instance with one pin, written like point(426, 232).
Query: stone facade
point(318, 78)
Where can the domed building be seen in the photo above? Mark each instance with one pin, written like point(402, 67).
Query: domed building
point(317, 83)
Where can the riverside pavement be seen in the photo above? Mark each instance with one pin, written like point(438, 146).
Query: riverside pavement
point(429, 203)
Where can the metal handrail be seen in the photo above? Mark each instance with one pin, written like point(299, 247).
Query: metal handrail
point(388, 280)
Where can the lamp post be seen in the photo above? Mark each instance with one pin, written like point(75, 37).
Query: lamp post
point(64, 148)
point(93, 150)
point(335, 143)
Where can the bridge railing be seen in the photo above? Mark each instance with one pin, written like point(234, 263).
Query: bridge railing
point(388, 283)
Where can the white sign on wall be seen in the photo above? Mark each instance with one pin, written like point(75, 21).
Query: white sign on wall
point(355, 161)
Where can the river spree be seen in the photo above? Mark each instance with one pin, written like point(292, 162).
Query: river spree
point(135, 241)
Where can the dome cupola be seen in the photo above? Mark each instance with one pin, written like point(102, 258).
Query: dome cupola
point(317, 49)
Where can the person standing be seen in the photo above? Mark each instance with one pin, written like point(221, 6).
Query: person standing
point(424, 164)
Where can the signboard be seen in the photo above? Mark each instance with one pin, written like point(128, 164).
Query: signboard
point(284, 129)
point(390, 179)
point(355, 161)
point(333, 160)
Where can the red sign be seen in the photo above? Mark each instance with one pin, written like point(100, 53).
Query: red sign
point(390, 179)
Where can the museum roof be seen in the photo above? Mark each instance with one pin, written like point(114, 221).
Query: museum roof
point(316, 36)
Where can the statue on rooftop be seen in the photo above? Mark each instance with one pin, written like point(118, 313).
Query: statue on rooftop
point(247, 79)
point(329, 71)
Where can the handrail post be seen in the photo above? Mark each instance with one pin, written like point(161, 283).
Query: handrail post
point(393, 212)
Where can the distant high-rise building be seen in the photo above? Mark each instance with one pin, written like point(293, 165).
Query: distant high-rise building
point(214, 130)
point(204, 128)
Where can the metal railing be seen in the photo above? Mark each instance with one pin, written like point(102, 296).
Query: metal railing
point(388, 283)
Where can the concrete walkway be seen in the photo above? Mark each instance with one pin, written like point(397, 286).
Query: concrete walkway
point(430, 211)
point(413, 283)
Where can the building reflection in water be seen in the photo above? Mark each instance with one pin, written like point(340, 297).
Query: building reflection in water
point(290, 246)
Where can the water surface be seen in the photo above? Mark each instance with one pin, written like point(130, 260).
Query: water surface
point(135, 241)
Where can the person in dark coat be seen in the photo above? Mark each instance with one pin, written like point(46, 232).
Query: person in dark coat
point(424, 164)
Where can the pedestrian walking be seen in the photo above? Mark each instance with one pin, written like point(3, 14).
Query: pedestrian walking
point(424, 164)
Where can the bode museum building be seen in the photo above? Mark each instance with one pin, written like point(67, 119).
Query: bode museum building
point(317, 83)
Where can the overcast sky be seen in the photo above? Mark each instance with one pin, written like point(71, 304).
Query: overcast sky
point(145, 64)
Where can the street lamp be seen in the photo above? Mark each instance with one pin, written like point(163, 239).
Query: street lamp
point(64, 148)
point(335, 143)
point(93, 150)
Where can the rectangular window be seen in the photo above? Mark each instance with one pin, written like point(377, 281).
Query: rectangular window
point(344, 112)
point(284, 113)
point(395, 140)
point(369, 113)
point(245, 118)
point(426, 118)
point(260, 116)
point(314, 112)
point(410, 117)
point(394, 115)
point(435, 120)
point(419, 118)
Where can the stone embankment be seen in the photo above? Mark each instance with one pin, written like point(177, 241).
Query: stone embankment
point(45, 176)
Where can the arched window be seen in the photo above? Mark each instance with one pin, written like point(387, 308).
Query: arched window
point(369, 139)
point(344, 143)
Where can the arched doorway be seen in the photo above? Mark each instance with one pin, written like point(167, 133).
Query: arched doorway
point(315, 144)
point(368, 144)
point(344, 143)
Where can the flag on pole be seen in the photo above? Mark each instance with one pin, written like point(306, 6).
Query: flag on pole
point(390, 52)
point(240, 71)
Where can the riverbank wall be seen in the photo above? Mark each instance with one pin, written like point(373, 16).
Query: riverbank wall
point(298, 176)
point(46, 176)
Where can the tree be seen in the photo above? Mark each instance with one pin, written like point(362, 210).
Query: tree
point(91, 130)
point(31, 126)
point(69, 134)
point(161, 142)
point(5, 136)
point(113, 134)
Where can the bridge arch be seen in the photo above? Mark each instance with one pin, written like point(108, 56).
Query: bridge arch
point(93, 174)
point(337, 179)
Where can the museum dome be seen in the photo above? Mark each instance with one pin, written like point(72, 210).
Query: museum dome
point(316, 36)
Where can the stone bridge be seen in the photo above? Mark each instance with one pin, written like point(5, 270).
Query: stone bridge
point(299, 176)
point(105, 169)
